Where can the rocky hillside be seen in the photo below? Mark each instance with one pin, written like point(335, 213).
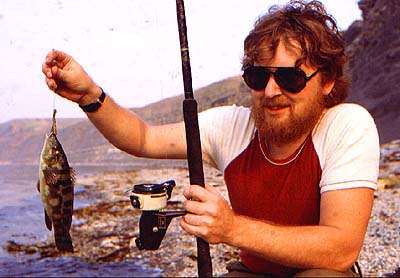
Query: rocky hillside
point(373, 45)
point(21, 141)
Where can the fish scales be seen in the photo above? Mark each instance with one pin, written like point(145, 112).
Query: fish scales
point(56, 187)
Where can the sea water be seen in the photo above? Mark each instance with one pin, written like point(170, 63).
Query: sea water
point(22, 221)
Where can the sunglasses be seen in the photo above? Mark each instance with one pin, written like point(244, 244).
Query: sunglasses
point(290, 79)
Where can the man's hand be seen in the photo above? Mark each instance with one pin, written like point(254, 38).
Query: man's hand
point(68, 79)
point(209, 214)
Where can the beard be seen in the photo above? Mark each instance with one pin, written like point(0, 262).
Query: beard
point(293, 126)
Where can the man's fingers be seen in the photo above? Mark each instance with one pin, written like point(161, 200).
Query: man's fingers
point(57, 73)
point(51, 57)
point(196, 230)
point(195, 220)
point(58, 58)
point(52, 76)
point(196, 192)
point(51, 84)
point(194, 207)
point(46, 69)
point(53, 67)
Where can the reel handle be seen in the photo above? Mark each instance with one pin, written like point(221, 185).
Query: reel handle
point(153, 226)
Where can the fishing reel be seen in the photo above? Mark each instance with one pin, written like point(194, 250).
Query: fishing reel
point(152, 199)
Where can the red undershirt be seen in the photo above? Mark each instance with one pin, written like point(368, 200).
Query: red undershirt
point(285, 194)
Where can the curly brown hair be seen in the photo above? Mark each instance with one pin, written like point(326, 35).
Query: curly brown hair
point(322, 44)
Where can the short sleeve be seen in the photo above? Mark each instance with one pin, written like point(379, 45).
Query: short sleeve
point(225, 132)
point(347, 143)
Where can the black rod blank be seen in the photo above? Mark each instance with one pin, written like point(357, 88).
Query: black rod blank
point(186, 70)
point(195, 161)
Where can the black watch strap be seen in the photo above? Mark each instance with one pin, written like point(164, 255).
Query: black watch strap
point(93, 107)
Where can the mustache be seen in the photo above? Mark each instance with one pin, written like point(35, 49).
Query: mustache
point(273, 102)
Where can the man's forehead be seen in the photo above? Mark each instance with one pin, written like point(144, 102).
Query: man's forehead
point(269, 50)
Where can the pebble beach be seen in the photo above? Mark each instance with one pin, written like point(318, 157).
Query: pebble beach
point(105, 230)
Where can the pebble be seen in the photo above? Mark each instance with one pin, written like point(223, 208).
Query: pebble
point(381, 251)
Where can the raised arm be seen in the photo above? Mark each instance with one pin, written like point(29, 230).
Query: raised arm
point(123, 128)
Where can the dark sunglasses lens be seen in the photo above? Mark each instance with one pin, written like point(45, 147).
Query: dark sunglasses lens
point(292, 80)
point(256, 77)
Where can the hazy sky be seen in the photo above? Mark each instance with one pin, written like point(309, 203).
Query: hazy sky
point(129, 47)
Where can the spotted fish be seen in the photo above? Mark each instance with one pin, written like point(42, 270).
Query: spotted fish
point(56, 187)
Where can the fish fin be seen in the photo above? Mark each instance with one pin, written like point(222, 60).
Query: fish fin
point(50, 176)
point(47, 220)
point(73, 175)
point(63, 241)
point(38, 186)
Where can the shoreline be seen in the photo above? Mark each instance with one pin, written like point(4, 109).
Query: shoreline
point(104, 231)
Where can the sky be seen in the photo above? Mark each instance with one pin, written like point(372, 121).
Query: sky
point(129, 47)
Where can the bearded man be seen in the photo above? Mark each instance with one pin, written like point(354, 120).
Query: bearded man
point(300, 166)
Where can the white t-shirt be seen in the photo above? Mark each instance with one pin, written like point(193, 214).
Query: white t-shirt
point(345, 140)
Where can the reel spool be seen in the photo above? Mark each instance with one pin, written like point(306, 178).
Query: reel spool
point(151, 197)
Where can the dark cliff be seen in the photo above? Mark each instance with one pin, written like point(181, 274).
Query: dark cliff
point(373, 45)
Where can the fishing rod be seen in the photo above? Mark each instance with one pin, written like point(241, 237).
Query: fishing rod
point(195, 161)
point(152, 199)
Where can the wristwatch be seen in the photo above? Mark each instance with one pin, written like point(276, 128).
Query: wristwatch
point(93, 107)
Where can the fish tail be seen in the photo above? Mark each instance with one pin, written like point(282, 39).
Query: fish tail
point(54, 125)
point(63, 241)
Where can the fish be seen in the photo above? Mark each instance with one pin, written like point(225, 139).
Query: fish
point(56, 187)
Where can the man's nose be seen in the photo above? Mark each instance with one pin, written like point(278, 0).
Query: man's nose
point(272, 89)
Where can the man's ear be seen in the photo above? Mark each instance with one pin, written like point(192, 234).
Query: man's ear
point(327, 87)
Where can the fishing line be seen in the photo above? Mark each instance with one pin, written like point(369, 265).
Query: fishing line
point(54, 101)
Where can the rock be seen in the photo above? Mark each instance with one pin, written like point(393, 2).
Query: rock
point(374, 62)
